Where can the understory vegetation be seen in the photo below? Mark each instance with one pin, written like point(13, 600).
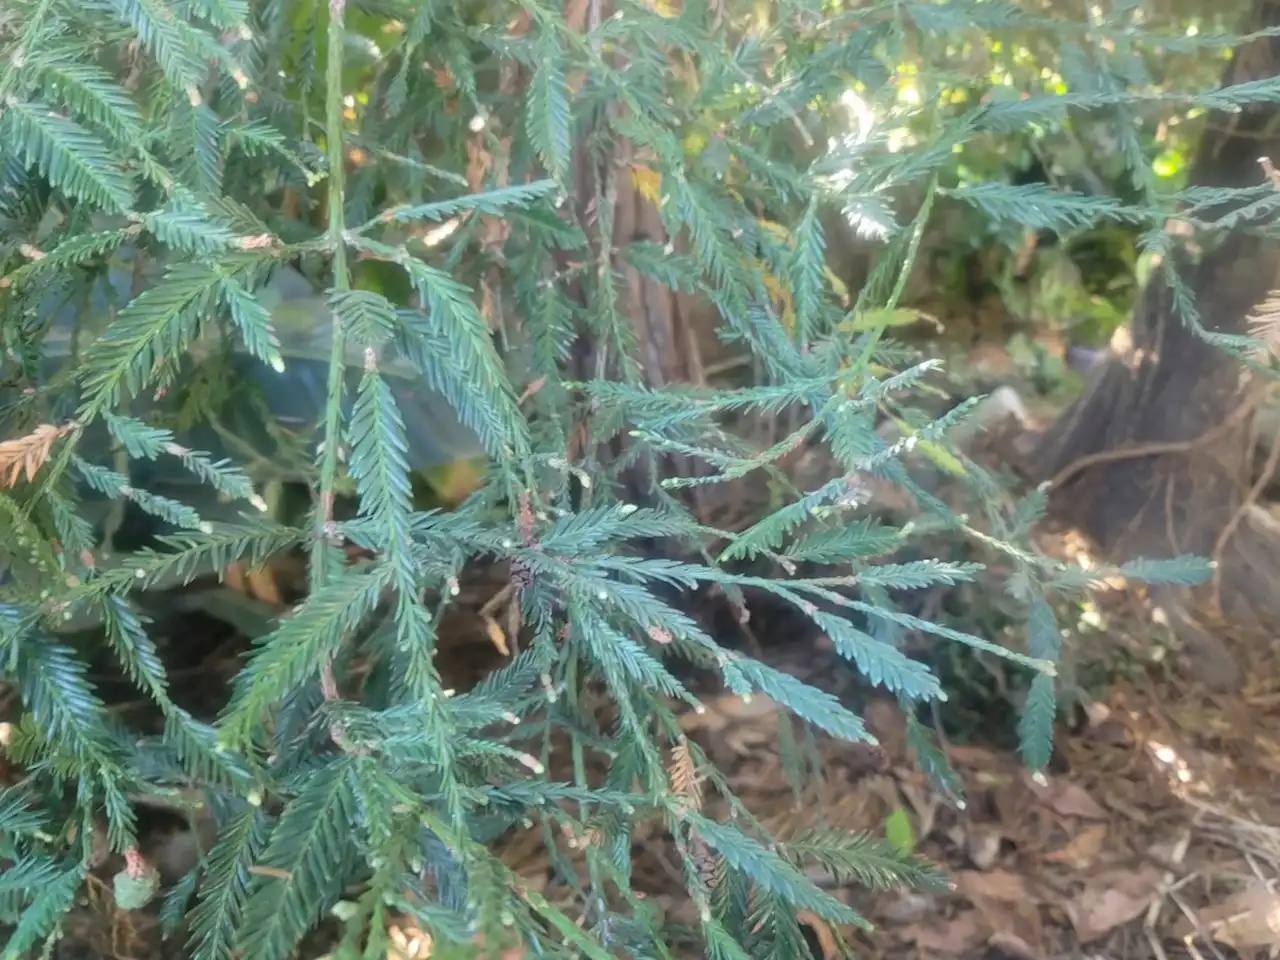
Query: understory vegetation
point(410, 293)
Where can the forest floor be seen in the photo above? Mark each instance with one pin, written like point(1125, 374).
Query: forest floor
point(1159, 837)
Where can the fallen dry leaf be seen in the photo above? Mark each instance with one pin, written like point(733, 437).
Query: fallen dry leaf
point(735, 722)
point(1010, 808)
point(982, 843)
point(262, 584)
point(1082, 849)
point(1112, 899)
point(998, 885)
point(1012, 945)
point(1014, 923)
point(955, 936)
point(885, 719)
point(729, 709)
point(575, 15)
point(907, 908)
point(496, 636)
point(1067, 799)
point(974, 758)
point(827, 942)
point(1247, 920)
point(1007, 903)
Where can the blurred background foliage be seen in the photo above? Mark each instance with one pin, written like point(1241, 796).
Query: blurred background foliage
point(1000, 301)
point(981, 280)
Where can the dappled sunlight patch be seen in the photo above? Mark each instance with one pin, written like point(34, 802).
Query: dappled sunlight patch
point(1167, 758)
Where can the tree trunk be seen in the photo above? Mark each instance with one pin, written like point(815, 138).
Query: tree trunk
point(667, 339)
point(1155, 459)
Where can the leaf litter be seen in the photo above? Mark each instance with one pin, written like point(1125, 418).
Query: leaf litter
point(1158, 838)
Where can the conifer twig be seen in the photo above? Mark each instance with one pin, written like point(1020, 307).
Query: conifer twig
point(318, 574)
point(18, 56)
point(899, 287)
point(337, 732)
point(341, 282)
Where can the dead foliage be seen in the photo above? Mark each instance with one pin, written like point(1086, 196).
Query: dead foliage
point(26, 455)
